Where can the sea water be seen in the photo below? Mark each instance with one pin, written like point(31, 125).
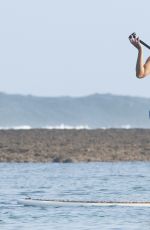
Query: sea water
point(82, 181)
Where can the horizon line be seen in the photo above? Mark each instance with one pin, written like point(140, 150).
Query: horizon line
point(73, 96)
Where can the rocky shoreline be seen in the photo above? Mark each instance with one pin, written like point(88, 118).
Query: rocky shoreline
point(42, 145)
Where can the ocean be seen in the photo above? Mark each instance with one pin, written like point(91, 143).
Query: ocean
point(122, 181)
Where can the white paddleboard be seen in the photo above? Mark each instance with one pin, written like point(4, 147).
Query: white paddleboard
point(43, 203)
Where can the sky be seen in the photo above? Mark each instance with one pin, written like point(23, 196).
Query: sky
point(72, 47)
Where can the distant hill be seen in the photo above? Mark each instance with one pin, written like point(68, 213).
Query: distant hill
point(95, 111)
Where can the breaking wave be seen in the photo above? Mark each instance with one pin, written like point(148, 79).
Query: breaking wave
point(61, 126)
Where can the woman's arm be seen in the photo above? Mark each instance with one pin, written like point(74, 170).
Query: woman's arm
point(142, 70)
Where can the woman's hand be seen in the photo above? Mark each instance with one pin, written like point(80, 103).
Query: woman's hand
point(135, 41)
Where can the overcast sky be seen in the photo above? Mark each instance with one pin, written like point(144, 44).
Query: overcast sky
point(71, 47)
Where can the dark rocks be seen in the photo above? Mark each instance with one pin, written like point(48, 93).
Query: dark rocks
point(68, 146)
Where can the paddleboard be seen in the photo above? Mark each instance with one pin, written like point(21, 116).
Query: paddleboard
point(43, 203)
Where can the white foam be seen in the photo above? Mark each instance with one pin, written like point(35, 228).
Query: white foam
point(126, 126)
point(26, 127)
point(61, 126)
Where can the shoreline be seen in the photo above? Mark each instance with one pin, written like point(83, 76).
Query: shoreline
point(71, 146)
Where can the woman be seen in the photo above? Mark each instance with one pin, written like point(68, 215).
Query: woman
point(142, 70)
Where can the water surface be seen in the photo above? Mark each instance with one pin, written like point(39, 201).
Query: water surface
point(83, 181)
